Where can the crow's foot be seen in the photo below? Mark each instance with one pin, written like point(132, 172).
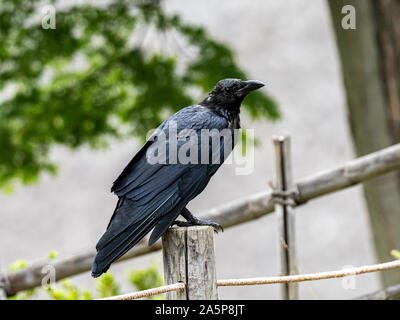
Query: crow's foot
point(217, 227)
point(194, 221)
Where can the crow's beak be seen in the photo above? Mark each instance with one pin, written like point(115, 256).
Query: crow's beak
point(251, 85)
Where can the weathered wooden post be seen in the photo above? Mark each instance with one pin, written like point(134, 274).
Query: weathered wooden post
point(188, 255)
point(283, 184)
point(3, 283)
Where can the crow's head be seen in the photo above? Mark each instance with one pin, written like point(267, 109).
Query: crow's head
point(229, 93)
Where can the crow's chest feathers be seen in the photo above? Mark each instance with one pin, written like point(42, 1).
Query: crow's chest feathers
point(234, 123)
point(232, 116)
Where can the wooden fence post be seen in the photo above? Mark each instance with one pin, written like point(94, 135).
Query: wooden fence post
point(3, 283)
point(188, 255)
point(289, 291)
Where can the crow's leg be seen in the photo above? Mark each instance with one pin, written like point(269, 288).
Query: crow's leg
point(194, 221)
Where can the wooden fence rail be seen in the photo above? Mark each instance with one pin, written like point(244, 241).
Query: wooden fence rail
point(237, 212)
point(190, 269)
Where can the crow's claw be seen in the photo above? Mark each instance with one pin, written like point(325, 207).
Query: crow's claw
point(199, 222)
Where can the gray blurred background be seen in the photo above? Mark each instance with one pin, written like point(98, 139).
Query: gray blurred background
point(290, 46)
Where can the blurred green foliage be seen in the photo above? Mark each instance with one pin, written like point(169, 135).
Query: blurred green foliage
point(106, 285)
point(148, 278)
point(123, 86)
point(67, 291)
point(18, 265)
point(395, 254)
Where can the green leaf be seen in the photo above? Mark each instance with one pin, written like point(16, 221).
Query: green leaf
point(53, 254)
point(106, 285)
point(144, 279)
point(18, 265)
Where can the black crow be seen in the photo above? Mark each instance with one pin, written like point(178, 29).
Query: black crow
point(153, 194)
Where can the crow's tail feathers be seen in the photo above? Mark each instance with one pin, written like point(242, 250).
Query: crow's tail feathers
point(111, 247)
point(131, 223)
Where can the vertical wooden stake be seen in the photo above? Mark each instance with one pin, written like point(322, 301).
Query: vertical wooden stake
point(188, 255)
point(289, 291)
point(3, 282)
